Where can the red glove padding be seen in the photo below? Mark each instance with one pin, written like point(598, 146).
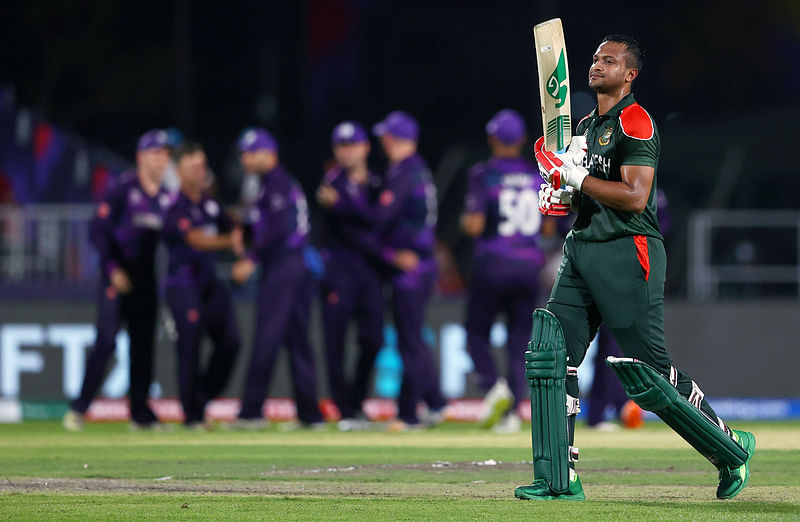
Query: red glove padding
point(549, 164)
point(554, 202)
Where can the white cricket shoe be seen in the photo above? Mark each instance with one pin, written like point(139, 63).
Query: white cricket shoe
point(72, 421)
point(510, 423)
point(496, 403)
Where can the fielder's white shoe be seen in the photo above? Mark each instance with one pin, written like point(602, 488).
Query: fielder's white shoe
point(72, 421)
point(496, 403)
point(510, 423)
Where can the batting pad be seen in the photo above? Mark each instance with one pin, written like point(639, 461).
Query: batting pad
point(651, 391)
point(546, 369)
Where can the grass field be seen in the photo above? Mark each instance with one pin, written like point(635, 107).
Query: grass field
point(454, 472)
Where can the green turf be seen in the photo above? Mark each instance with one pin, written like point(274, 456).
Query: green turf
point(457, 472)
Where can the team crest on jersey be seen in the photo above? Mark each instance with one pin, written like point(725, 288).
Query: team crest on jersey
point(164, 200)
point(606, 137)
point(387, 198)
point(134, 197)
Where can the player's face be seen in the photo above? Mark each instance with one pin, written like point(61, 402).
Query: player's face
point(259, 161)
point(193, 171)
point(397, 149)
point(153, 162)
point(609, 71)
point(351, 155)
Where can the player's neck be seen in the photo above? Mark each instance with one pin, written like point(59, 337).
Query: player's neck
point(607, 100)
point(149, 186)
point(194, 195)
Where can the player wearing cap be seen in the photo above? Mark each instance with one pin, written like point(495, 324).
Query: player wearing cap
point(280, 232)
point(196, 227)
point(501, 212)
point(405, 214)
point(613, 271)
point(352, 286)
point(125, 232)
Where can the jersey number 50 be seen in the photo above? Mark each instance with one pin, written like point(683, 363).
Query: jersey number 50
point(519, 211)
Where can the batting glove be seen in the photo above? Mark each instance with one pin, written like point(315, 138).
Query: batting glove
point(553, 201)
point(559, 169)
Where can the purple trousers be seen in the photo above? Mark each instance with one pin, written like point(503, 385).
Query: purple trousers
point(514, 292)
point(420, 373)
point(606, 389)
point(351, 292)
point(284, 303)
point(200, 311)
point(138, 310)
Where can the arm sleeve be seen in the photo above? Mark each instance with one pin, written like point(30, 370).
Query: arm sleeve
point(475, 200)
point(102, 225)
point(634, 151)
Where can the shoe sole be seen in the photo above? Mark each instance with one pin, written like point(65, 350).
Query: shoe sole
point(752, 439)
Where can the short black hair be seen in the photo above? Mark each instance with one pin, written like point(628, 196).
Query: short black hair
point(634, 54)
point(186, 148)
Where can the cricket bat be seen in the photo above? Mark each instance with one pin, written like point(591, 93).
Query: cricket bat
point(554, 92)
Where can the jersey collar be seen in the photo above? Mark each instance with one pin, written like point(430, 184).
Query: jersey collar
point(616, 109)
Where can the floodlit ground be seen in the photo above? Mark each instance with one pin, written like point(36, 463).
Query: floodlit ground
point(454, 472)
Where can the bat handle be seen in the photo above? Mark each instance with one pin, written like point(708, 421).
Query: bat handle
point(556, 180)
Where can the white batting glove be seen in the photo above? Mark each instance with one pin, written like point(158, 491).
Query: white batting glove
point(559, 169)
point(553, 201)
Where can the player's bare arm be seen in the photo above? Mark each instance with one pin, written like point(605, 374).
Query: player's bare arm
point(629, 195)
point(200, 240)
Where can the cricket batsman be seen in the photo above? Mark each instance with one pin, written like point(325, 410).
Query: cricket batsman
point(125, 232)
point(196, 228)
point(501, 213)
point(612, 271)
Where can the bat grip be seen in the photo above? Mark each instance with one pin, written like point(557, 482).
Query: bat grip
point(556, 180)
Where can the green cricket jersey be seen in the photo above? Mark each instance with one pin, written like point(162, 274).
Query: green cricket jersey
point(625, 135)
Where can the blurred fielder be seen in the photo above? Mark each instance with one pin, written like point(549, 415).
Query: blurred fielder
point(613, 271)
point(125, 232)
point(501, 212)
point(405, 214)
point(280, 233)
point(352, 286)
point(196, 228)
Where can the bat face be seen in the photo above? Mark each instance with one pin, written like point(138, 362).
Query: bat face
point(554, 89)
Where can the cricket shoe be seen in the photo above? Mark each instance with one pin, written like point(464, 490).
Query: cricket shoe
point(72, 421)
point(154, 426)
point(247, 425)
point(496, 403)
point(540, 490)
point(354, 424)
point(733, 480)
point(510, 423)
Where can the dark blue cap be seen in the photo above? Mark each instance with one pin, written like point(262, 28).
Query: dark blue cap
point(255, 138)
point(348, 132)
point(507, 126)
point(399, 124)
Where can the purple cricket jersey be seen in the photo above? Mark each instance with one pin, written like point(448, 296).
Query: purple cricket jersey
point(405, 214)
point(279, 218)
point(353, 238)
point(506, 191)
point(127, 226)
point(188, 266)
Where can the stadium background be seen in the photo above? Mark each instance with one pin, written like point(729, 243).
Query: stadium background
point(80, 83)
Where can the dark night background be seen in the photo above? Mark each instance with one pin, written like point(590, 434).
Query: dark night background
point(718, 75)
